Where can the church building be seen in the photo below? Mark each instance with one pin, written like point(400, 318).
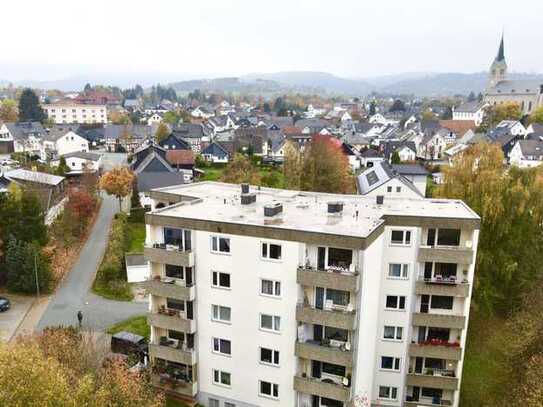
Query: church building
point(527, 93)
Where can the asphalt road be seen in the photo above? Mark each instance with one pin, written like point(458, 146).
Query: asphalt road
point(74, 295)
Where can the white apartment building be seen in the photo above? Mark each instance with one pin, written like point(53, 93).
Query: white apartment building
point(265, 297)
point(76, 113)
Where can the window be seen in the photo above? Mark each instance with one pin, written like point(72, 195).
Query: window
point(441, 302)
point(222, 346)
point(398, 189)
point(175, 304)
point(220, 313)
point(221, 280)
point(174, 271)
point(390, 363)
point(180, 336)
point(270, 287)
point(388, 392)
point(402, 237)
point(213, 403)
point(220, 244)
point(389, 189)
point(396, 270)
point(393, 332)
point(338, 297)
point(395, 302)
point(270, 322)
point(336, 334)
point(271, 251)
point(268, 389)
point(221, 377)
point(332, 369)
point(178, 237)
point(269, 356)
point(445, 237)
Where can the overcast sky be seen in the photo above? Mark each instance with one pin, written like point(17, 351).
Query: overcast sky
point(52, 39)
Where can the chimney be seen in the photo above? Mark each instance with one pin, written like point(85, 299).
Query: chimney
point(247, 199)
point(335, 207)
point(244, 188)
point(273, 209)
point(379, 199)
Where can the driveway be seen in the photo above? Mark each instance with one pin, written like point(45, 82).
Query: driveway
point(74, 295)
point(10, 320)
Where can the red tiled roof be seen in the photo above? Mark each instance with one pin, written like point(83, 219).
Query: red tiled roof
point(291, 130)
point(460, 127)
point(180, 157)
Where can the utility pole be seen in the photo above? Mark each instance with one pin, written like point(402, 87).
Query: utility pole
point(36, 274)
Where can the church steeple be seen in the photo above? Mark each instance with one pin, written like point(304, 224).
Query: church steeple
point(498, 69)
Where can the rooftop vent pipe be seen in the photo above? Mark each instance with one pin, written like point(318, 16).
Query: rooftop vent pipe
point(335, 207)
point(247, 199)
point(244, 188)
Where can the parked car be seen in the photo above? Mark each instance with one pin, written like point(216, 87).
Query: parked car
point(4, 304)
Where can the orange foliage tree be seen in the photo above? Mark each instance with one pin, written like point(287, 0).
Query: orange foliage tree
point(117, 182)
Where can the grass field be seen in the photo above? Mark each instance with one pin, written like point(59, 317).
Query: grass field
point(135, 237)
point(136, 325)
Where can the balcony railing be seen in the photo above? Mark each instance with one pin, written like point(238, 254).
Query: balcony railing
point(337, 279)
point(168, 254)
point(170, 288)
point(325, 351)
point(171, 319)
point(436, 349)
point(173, 351)
point(446, 254)
point(322, 388)
point(439, 285)
point(433, 378)
point(173, 383)
point(439, 320)
point(427, 402)
point(344, 319)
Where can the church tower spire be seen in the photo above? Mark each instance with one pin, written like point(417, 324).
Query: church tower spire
point(498, 69)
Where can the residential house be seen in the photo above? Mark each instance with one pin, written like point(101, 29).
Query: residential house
point(48, 187)
point(311, 126)
point(407, 150)
point(127, 137)
point(383, 180)
point(526, 153)
point(215, 153)
point(191, 133)
point(370, 156)
point(23, 137)
point(202, 112)
point(173, 142)
point(80, 162)
point(353, 156)
point(57, 143)
point(415, 173)
point(470, 111)
point(432, 145)
point(155, 118)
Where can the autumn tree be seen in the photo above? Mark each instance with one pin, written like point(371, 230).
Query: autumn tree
point(116, 117)
point(117, 182)
point(292, 165)
point(67, 368)
point(81, 205)
point(241, 169)
point(171, 118)
point(496, 113)
point(510, 204)
point(8, 111)
point(537, 116)
point(325, 168)
point(162, 132)
point(29, 107)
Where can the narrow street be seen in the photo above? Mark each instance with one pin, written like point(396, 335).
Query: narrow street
point(74, 292)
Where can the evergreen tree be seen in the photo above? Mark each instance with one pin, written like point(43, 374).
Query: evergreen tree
point(29, 107)
point(62, 168)
point(395, 159)
point(373, 108)
point(472, 97)
point(25, 262)
point(32, 219)
point(397, 106)
point(135, 199)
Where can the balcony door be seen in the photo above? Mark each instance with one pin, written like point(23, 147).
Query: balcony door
point(319, 297)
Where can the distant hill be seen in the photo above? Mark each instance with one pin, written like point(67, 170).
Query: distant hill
point(319, 81)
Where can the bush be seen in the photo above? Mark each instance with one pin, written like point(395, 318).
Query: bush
point(23, 262)
point(110, 281)
point(137, 215)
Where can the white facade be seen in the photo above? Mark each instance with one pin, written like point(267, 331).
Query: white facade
point(154, 119)
point(76, 113)
point(68, 143)
point(406, 154)
point(337, 305)
point(519, 159)
point(475, 115)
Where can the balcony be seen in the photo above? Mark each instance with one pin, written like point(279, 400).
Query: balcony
point(168, 254)
point(433, 378)
point(337, 319)
point(428, 403)
point(345, 281)
point(445, 254)
point(169, 288)
point(321, 388)
point(173, 353)
point(439, 320)
point(436, 350)
point(316, 350)
point(440, 286)
point(173, 320)
point(170, 384)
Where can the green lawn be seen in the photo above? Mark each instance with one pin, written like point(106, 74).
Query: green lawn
point(212, 173)
point(136, 325)
point(135, 237)
point(485, 372)
point(174, 403)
